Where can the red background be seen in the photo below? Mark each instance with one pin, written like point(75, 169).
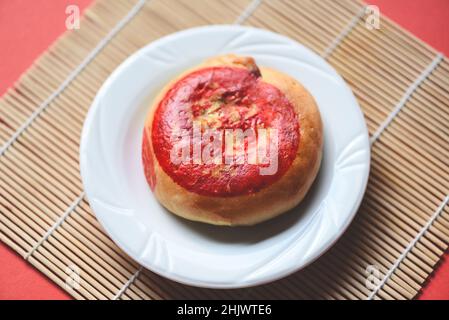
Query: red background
point(28, 27)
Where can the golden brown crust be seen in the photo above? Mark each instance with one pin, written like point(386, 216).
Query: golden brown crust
point(271, 201)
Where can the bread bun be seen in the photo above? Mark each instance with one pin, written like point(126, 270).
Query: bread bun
point(200, 166)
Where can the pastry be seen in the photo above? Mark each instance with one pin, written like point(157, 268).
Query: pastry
point(229, 143)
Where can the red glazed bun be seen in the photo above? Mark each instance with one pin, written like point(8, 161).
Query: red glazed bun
point(227, 143)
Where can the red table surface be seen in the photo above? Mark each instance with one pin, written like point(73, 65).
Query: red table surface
point(28, 27)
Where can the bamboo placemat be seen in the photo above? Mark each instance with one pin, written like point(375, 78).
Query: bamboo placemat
point(402, 84)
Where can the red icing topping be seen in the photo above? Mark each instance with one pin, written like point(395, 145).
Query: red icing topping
point(148, 161)
point(221, 98)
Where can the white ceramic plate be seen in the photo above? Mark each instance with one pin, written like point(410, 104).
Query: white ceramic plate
point(200, 254)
